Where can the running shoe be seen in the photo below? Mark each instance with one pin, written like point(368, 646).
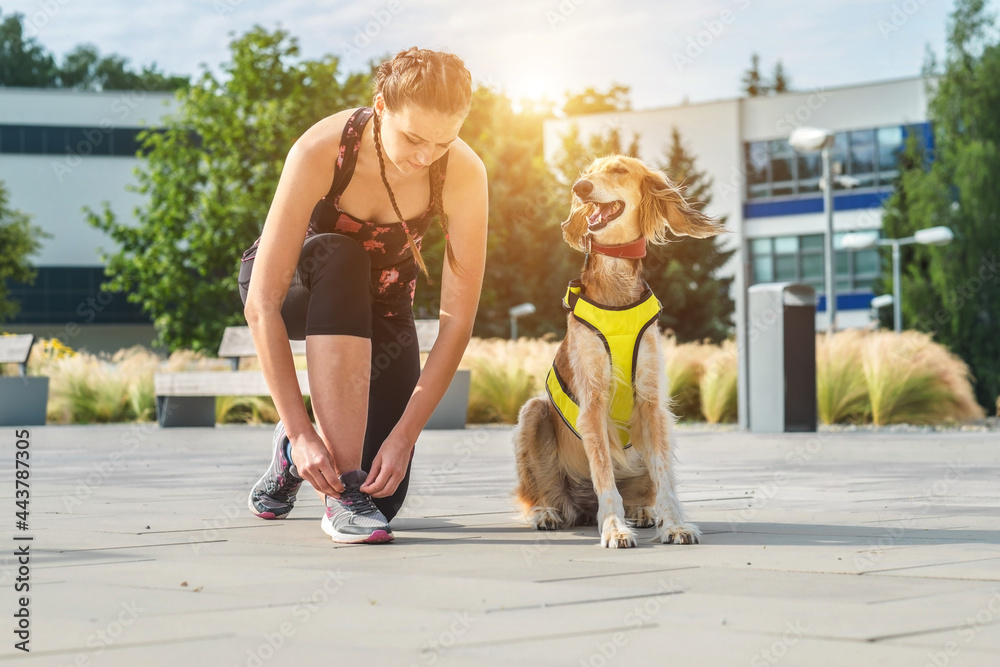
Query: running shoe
point(273, 496)
point(353, 518)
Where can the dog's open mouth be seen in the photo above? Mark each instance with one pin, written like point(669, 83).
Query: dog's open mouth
point(604, 212)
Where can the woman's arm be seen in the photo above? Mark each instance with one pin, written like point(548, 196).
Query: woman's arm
point(466, 203)
point(305, 178)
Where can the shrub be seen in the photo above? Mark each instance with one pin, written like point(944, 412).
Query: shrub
point(718, 385)
point(841, 391)
point(911, 379)
point(504, 375)
point(685, 366)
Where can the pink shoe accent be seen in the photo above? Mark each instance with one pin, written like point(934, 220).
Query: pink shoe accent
point(379, 536)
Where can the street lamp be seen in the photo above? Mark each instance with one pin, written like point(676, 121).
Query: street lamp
point(516, 312)
point(808, 139)
point(865, 240)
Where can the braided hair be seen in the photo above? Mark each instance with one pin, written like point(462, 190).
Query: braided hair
point(429, 80)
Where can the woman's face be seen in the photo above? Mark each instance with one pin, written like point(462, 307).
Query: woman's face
point(413, 138)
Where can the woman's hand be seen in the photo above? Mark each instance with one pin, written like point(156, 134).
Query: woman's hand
point(389, 467)
point(315, 464)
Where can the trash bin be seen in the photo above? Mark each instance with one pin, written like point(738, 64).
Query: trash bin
point(782, 358)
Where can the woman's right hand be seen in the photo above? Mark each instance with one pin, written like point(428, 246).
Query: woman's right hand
point(313, 461)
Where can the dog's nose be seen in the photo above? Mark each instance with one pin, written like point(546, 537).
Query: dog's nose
point(582, 188)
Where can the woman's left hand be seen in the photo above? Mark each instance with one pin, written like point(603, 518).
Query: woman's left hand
point(389, 467)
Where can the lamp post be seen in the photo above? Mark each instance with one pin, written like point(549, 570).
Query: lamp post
point(808, 139)
point(516, 312)
point(864, 240)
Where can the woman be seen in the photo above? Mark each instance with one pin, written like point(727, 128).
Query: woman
point(337, 265)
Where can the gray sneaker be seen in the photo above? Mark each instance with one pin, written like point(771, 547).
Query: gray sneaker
point(273, 496)
point(353, 518)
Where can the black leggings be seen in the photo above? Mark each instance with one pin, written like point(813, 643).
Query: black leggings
point(331, 294)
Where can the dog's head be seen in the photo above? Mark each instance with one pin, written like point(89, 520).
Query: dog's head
point(618, 199)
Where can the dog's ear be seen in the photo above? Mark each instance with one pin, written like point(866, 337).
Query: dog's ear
point(575, 226)
point(663, 206)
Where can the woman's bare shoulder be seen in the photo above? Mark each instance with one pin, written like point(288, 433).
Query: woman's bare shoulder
point(466, 171)
point(323, 137)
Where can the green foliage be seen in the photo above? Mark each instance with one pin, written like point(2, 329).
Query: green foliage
point(593, 101)
point(755, 84)
point(25, 62)
point(497, 391)
point(684, 274)
point(527, 260)
point(208, 179)
point(19, 239)
point(954, 291)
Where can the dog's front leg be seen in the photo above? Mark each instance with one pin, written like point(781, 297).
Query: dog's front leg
point(593, 427)
point(652, 434)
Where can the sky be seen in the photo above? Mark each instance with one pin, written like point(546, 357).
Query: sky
point(667, 51)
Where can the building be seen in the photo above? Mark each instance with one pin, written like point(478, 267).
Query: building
point(62, 151)
point(770, 194)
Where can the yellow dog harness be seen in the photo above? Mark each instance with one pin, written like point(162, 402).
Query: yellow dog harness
point(620, 328)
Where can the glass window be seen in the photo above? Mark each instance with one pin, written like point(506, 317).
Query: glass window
point(786, 244)
point(784, 267)
point(760, 246)
point(783, 160)
point(890, 145)
point(866, 261)
point(812, 242)
point(763, 271)
point(863, 157)
point(34, 140)
point(843, 264)
point(757, 162)
point(812, 267)
point(838, 156)
point(10, 139)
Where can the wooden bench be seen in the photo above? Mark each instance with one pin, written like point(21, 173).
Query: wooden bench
point(23, 399)
point(188, 398)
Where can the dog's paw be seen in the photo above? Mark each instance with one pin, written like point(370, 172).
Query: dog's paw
point(641, 517)
point(617, 534)
point(545, 518)
point(682, 533)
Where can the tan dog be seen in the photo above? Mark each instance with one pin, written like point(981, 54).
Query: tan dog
point(571, 474)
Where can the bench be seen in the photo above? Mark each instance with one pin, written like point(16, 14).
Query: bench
point(188, 398)
point(23, 399)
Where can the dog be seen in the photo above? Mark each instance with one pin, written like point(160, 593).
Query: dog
point(597, 446)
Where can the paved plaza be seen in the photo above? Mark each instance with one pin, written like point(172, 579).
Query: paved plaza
point(818, 549)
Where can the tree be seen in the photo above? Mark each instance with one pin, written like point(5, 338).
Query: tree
point(208, 178)
point(683, 274)
point(26, 63)
point(593, 101)
point(954, 291)
point(23, 61)
point(780, 82)
point(527, 259)
point(753, 83)
point(19, 239)
point(574, 157)
point(83, 68)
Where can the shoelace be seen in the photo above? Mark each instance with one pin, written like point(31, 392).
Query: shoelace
point(360, 503)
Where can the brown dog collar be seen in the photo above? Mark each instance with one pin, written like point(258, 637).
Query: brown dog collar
point(631, 250)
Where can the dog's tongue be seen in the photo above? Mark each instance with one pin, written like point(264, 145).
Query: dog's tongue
point(600, 213)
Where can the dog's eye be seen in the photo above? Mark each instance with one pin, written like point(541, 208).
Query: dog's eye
point(617, 170)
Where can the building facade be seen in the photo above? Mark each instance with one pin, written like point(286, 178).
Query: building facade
point(62, 151)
